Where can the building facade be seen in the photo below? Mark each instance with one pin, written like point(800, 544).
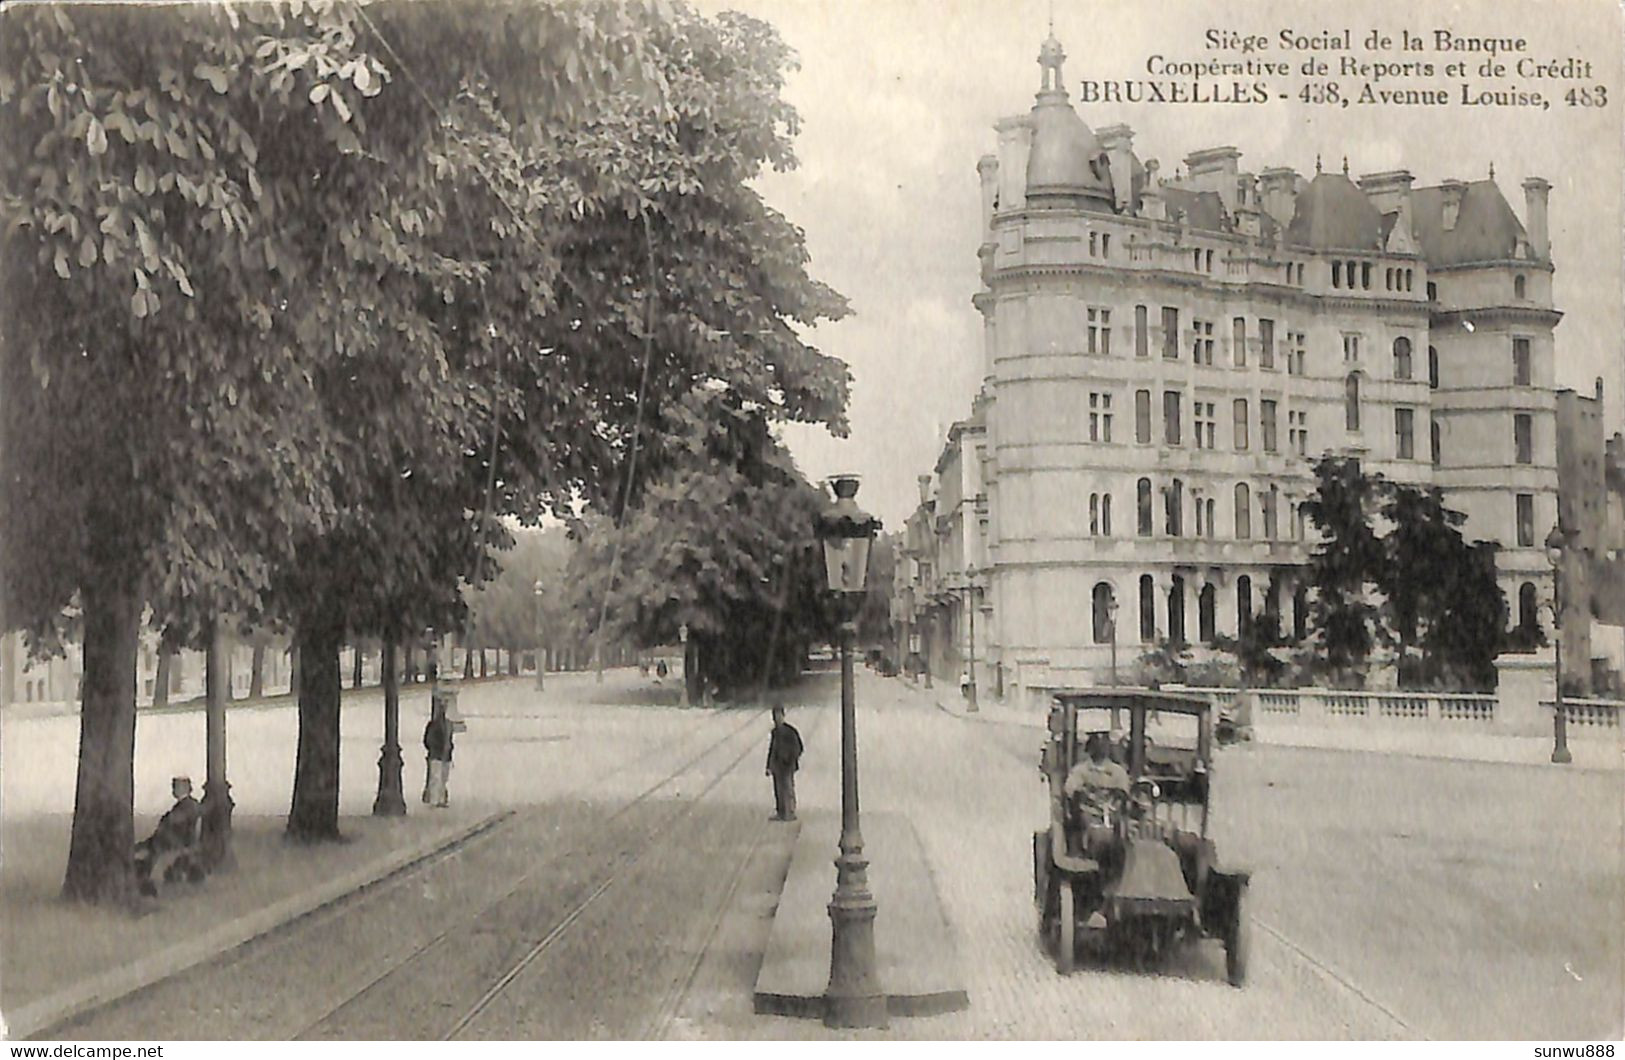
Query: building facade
point(1163, 358)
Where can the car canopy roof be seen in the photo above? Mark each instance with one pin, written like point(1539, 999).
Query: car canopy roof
point(1193, 703)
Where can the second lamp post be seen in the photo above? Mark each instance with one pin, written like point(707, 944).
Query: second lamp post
point(854, 997)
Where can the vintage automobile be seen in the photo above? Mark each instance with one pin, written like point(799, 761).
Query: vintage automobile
point(1134, 855)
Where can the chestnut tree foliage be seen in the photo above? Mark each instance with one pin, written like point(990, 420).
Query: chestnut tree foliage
point(301, 296)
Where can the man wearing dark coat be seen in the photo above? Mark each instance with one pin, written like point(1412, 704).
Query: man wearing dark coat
point(168, 853)
point(437, 744)
point(783, 758)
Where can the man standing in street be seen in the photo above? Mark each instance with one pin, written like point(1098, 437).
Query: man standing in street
point(437, 743)
point(783, 758)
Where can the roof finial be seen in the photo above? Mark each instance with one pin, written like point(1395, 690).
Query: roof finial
point(1345, 165)
point(1492, 169)
point(1317, 163)
point(1052, 18)
point(1050, 58)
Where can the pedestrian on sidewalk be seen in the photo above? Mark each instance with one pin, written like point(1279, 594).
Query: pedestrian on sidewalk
point(783, 759)
point(437, 742)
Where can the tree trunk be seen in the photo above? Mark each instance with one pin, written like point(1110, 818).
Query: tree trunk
point(485, 664)
point(691, 668)
point(256, 671)
point(314, 814)
point(411, 664)
point(513, 663)
point(217, 802)
point(468, 663)
point(293, 668)
point(357, 666)
point(103, 835)
point(160, 681)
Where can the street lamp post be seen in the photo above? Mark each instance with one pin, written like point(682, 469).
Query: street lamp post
point(1111, 620)
point(682, 638)
point(970, 685)
point(541, 648)
point(854, 997)
point(1556, 541)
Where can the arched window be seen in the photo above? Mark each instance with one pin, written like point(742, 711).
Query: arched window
point(1402, 358)
point(1244, 512)
point(1351, 401)
point(1518, 287)
point(1175, 505)
point(1337, 274)
point(1528, 608)
point(1142, 497)
point(1094, 514)
point(1106, 515)
point(1206, 626)
point(1148, 609)
point(1433, 368)
point(1103, 608)
point(1244, 605)
point(1176, 610)
point(1433, 438)
point(1300, 613)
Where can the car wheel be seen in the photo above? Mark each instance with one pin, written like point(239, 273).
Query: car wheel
point(1238, 943)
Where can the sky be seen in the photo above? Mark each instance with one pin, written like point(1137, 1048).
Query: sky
point(898, 99)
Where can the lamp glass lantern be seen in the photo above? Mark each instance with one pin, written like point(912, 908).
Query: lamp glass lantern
point(846, 533)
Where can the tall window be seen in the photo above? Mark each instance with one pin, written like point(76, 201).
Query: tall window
point(1266, 417)
point(1100, 331)
point(1101, 599)
point(1402, 358)
point(1523, 437)
point(1142, 505)
point(1201, 516)
point(1433, 368)
point(1297, 432)
point(1351, 348)
point(1351, 401)
point(1270, 501)
point(1174, 500)
point(1106, 515)
point(1244, 512)
point(1170, 417)
point(1337, 274)
point(1244, 605)
point(1238, 425)
point(1405, 434)
point(1170, 333)
point(1298, 353)
point(1300, 612)
point(1206, 627)
point(1094, 514)
point(1238, 341)
point(1176, 610)
point(1528, 607)
point(1519, 288)
point(1526, 520)
point(1100, 417)
point(1210, 504)
point(1202, 343)
point(1434, 441)
point(1203, 424)
point(1365, 275)
point(1266, 343)
point(1142, 417)
point(1142, 328)
point(1148, 609)
point(1520, 362)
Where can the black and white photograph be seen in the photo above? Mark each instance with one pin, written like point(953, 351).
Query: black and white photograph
point(670, 521)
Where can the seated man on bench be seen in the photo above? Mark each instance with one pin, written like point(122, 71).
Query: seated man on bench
point(171, 853)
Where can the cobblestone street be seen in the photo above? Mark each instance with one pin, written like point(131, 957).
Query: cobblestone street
point(632, 893)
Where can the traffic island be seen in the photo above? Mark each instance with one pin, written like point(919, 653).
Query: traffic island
point(916, 950)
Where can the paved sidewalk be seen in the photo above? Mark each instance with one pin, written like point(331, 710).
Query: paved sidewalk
point(1601, 751)
point(58, 959)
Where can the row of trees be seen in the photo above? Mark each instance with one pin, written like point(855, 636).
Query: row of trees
point(305, 298)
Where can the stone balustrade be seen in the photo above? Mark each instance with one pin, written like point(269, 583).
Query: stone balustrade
point(1456, 709)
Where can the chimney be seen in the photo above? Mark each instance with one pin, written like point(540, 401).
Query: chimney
point(987, 168)
point(1279, 193)
point(925, 488)
point(1015, 144)
point(1118, 142)
point(1215, 169)
point(1597, 387)
point(1387, 191)
point(1151, 204)
point(1535, 191)
point(1452, 191)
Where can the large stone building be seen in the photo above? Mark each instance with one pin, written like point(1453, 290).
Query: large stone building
point(1164, 356)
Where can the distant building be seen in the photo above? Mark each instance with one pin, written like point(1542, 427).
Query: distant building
point(1163, 358)
point(1591, 508)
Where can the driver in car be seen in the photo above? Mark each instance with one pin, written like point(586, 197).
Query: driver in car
point(1096, 777)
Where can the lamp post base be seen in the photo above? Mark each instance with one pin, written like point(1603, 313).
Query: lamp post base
point(854, 997)
point(391, 800)
point(1561, 756)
